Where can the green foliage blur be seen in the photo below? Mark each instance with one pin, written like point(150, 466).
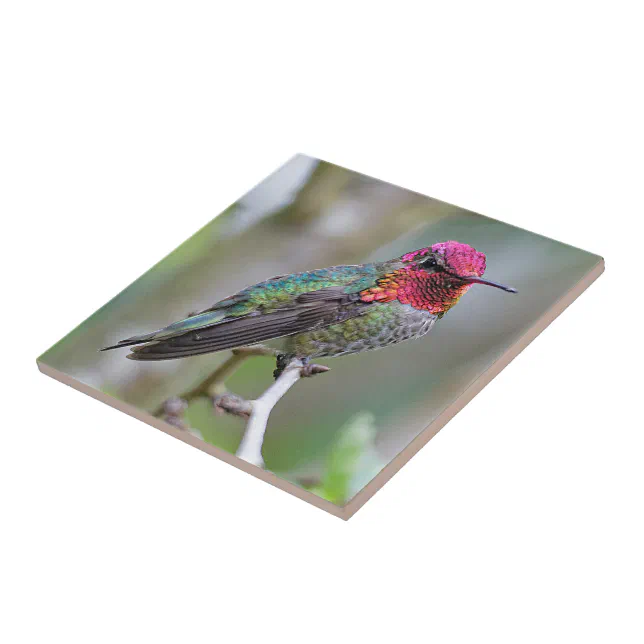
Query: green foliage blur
point(330, 434)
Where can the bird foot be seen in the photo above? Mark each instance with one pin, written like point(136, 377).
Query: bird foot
point(282, 361)
point(306, 371)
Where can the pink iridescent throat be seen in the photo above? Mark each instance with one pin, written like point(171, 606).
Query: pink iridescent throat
point(433, 292)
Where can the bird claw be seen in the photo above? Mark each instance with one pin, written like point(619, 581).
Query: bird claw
point(306, 370)
point(282, 361)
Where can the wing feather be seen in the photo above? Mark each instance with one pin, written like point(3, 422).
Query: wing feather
point(305, 314)
point(252, 316)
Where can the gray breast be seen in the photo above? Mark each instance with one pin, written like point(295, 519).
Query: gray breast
point(401, 323)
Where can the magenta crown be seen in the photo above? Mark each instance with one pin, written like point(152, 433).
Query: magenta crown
point(461, 259)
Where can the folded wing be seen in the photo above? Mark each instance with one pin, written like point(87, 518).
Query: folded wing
point(225, 328)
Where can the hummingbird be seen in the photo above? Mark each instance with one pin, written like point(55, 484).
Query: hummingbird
point(328, 312)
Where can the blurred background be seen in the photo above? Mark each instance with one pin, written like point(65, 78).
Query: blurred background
point(333, 433)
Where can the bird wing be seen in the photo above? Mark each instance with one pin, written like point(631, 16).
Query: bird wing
point(309, 311)
point(256, 315)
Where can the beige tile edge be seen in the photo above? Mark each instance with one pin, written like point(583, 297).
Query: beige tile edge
point(396, 464)
point(186, 437)
point(424, 437)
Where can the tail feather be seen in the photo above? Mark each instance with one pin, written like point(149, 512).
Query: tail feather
point(193, 323)
point(226, 335)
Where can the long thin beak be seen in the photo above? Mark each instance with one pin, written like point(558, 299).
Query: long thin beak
point(480, 280)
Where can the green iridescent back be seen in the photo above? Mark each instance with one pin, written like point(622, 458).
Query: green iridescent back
point(283, 289)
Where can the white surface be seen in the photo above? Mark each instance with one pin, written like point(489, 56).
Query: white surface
point(126, 126)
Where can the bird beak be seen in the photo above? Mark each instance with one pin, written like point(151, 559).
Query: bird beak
point(479, 280)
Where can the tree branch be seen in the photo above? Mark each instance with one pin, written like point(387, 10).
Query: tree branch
point(250, 448)
point(256, 411)
point(213, 386)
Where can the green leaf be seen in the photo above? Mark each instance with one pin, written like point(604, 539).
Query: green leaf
point(352, 459)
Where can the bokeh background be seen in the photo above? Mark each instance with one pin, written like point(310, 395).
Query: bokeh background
point(331, 434)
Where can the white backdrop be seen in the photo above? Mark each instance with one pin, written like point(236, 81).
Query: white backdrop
point(125, 126)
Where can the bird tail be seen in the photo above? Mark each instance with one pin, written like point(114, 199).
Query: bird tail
point(173, 330)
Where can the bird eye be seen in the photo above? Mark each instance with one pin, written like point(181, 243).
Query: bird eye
point(429, 262)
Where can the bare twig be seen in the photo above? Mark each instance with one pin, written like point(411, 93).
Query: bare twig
point(256, 411)
point(213, 386)
point(250, 448)
point(232, 404)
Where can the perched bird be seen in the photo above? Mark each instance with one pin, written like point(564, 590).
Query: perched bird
point(328, 312)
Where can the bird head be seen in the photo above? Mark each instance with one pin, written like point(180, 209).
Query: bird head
point(454, 263)
point(434, 278)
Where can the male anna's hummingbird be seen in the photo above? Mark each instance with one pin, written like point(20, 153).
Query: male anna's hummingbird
point(331, 311)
